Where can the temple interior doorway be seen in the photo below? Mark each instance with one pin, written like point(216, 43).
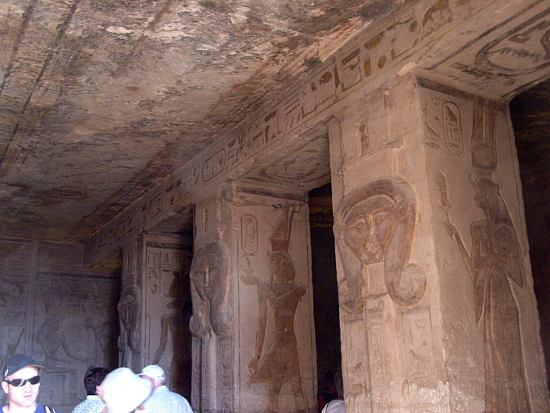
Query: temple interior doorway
point(530, 113)
point(325, 291)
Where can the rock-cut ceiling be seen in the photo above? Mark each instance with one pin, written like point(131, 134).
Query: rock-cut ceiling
point(102, 99)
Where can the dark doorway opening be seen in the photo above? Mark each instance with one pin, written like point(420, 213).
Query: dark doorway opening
point(530, 113)
point(325, 291)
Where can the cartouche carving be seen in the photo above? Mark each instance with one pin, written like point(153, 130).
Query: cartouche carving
point(495, 261)
point(375, 223)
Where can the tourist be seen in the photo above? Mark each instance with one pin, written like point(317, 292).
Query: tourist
point(92, 380)
point(163, 400)
point(123, 391)
point(336, 405)
point(21, 383)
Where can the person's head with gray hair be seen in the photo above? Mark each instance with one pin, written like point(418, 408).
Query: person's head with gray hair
point(154, 373)
point(123, 391)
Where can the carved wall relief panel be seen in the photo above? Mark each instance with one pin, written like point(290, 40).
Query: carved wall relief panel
point(15, 267)
point(278, 363)
point(167, 307)
point(276, 356)
point(73, 330)
point(516, 51)
point(375, 223)
point(52, 311)
point(494, 263)
point(210, 324)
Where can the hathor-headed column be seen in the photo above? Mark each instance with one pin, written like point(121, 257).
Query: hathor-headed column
point(253, 330)
point(436, 297)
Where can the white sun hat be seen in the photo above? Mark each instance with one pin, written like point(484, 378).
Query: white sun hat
point(153, 371)
point(123, 391)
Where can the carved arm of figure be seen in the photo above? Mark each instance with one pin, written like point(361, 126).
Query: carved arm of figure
point(454, 234)
point(69, 352)
point(250, 279)
point(291, 296)
point(165, 321)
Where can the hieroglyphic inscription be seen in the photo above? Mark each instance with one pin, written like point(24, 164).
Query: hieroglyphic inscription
point(249, 234)
point(225, 374)
point(196, 383)
point(378, 355)
point(352, 67)
point(418, 344)
point(213, 166)
point(483, 135)
point(153, 271)
point(444, 119)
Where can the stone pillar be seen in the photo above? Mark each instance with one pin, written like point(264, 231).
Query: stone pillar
point(130, 306)
point(212, 323)
point(437, 306)
point(253, 345)
point(166, 298)
point(155, 307)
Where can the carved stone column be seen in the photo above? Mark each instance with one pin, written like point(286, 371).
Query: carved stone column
point(212, 324)
point(130, 305)
point(155, 307)
point(437, 307)
point(253, 345)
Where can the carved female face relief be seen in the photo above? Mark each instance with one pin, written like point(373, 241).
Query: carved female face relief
point(127, 309)
point(205, 272)
point(369, 228)
point(375, 223)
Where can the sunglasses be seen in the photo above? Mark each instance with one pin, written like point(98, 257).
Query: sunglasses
point(22, 382)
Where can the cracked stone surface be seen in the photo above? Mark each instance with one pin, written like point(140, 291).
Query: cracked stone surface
point(100, 99)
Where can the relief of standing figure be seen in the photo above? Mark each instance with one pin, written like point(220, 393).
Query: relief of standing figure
point(494, 262)
point(279, 363)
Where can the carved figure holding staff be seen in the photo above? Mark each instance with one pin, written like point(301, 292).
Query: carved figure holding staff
point(495, 261)
point(279, 363)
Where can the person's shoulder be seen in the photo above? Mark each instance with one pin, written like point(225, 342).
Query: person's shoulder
point(40, 408)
